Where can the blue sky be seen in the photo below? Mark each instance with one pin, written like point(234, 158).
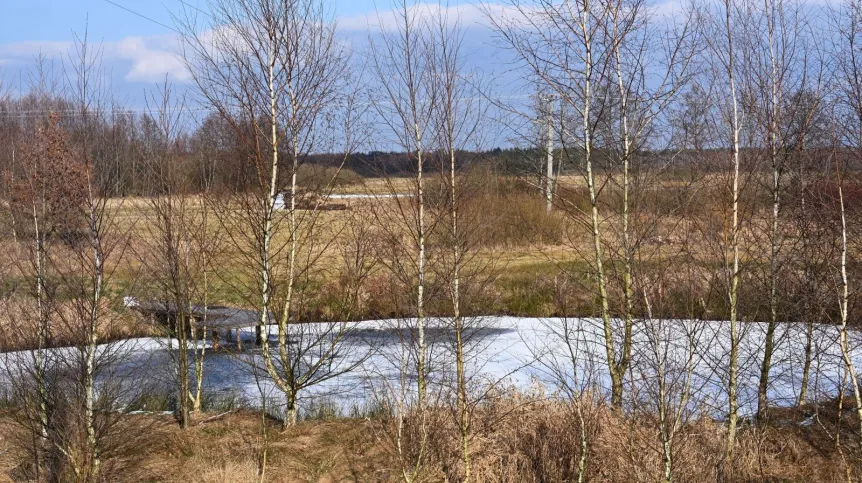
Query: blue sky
point(55, 20)
point(139, 52)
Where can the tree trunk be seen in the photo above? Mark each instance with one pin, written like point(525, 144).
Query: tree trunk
point(628, 260)
point(184, 387)
point(601, 282)
point(734, 247)
point(806, 364)
point(420, 289)
point(42, 336)
point(769, 343)
point(844, 305)
point(93, 340)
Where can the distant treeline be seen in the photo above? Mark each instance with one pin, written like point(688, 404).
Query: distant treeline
point(125, 149)
point(126, 146)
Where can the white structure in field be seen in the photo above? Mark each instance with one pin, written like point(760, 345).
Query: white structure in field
point(280, 202)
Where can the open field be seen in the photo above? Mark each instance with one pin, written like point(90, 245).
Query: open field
point(515, 241)
point(521, 262)
point(529, 263)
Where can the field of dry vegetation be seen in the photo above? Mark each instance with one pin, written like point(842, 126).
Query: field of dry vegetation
point(515, 440)
point(371, 266)
point(530, 263)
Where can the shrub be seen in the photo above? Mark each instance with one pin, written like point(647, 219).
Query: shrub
point(318, 177)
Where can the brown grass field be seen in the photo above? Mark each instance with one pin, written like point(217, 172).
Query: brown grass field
point(521, 255)
point(528, 263)
point(515, 441)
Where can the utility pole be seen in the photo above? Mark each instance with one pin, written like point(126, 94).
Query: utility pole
point(548, 111)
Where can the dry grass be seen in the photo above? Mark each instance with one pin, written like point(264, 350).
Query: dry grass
point(227, 449)
point(525, 246)
point(515, 438)
point(519, 439)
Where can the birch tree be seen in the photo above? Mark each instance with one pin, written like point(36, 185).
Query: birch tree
point(406, 106)
point(275, 72)
point(724, 51)
point(847, 19)
point(559, 43)
point(179, 249)
point(593, 57)
point(33, 195)
point(632, 121)
point(400, 62)
point(82, 436)
point(782, 64)
point(843, 293)
point(456, 129)
point(89, 308)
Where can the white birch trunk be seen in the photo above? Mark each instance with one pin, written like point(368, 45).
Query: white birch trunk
point(769, 342)
point(734, 245)
point(844, 302)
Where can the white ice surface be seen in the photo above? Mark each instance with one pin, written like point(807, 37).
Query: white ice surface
point(511, 352)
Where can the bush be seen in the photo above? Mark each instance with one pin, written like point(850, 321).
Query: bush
point(318, 177)
point(536, 437)
point(498, 211)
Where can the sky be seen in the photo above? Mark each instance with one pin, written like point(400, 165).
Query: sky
point(138, 43)
point(138, 49)
point(54, 20)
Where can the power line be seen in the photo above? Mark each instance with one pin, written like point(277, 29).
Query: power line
point(37, 112)
point(141, 15)
point(73, 112)
point(196, 8)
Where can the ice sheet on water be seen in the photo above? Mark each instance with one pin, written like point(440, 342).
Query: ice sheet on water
point(558, 354)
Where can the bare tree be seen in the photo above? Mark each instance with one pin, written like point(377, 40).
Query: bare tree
point(844, 303)
point(401, 61)
point(847, 19)
point(179, 248)
point(457, 122)
point(86, 277)
point(560, 45)
point(76, 393)
point(33, 192)
point(781, 64)
point(724, 51)
point(631, 117)
point(276, 73)
point(593, 56)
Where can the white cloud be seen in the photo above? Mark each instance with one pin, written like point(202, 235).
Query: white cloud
point(31, 49)
point(151, 57)
point(671, 9)
point(154, 57)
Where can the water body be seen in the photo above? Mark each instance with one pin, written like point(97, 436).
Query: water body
point(553, 356)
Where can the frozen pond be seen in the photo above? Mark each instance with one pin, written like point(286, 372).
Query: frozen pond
point(556, 355)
